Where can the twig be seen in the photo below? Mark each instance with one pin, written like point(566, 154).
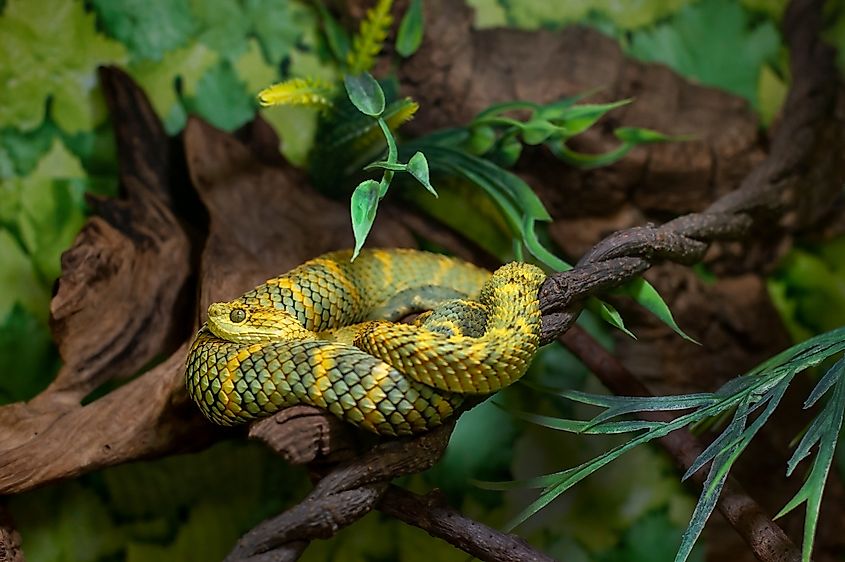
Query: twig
point(430, 514)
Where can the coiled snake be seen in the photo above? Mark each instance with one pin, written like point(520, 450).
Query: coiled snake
point(323, 334)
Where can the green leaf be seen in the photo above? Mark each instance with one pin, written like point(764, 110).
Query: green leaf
point(825, 431)
point(336, 35)
point(222, 99)
point(418, 167)
point(27, 147)
point(576, 119)
point(363, 208)
point(251, 67)
point(536, 131)
point(392, 166)
point(637, 135)
point(410, 34)
point(365, 93)
point(738, 45)
point(183, 67)
point(647, 296)
point(149, 28)
point(609, 314)
point(51, 50)
point(279, 25)
point(588, 161)
point(19, 282)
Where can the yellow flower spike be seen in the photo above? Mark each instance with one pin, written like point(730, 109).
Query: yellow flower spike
point(370, 38)
point(298, 91)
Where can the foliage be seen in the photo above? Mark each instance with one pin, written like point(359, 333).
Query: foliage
point(808, 288)
point(210, 57)
point(733, 62)
point(50, 51)
point(759, 391)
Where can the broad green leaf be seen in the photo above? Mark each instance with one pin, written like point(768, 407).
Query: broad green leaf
point(280, 25)
point(223, 25)
point(365, 93)
point(150, 28)
point(251, 67)
point(51, 50)
point(418, 167)
point(52, 213)
point(363, 208)
point(222, 99)
point(19, 281)
point(159, 80)
point(296, 127)
point(410, 34)
point(27, 147)
point(738, 45)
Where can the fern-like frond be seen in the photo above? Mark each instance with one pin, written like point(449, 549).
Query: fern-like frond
point(299, 91)
point(403, 113)
point(370, 38)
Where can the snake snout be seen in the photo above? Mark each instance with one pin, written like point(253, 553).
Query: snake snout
point(216, 309)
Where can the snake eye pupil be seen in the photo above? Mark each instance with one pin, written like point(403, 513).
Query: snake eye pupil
point(237, 315)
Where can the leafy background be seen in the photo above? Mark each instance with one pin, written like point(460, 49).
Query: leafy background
point(210, 57)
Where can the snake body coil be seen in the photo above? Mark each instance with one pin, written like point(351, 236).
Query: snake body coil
point(322, 334)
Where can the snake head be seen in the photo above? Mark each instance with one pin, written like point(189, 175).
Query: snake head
point(237, 322)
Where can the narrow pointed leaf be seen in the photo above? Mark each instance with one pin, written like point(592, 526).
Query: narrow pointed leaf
point(418, 167)
point(647, 296)
point(828, 380)
point(410, 34)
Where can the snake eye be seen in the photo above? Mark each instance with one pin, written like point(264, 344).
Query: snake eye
point(237, 315)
